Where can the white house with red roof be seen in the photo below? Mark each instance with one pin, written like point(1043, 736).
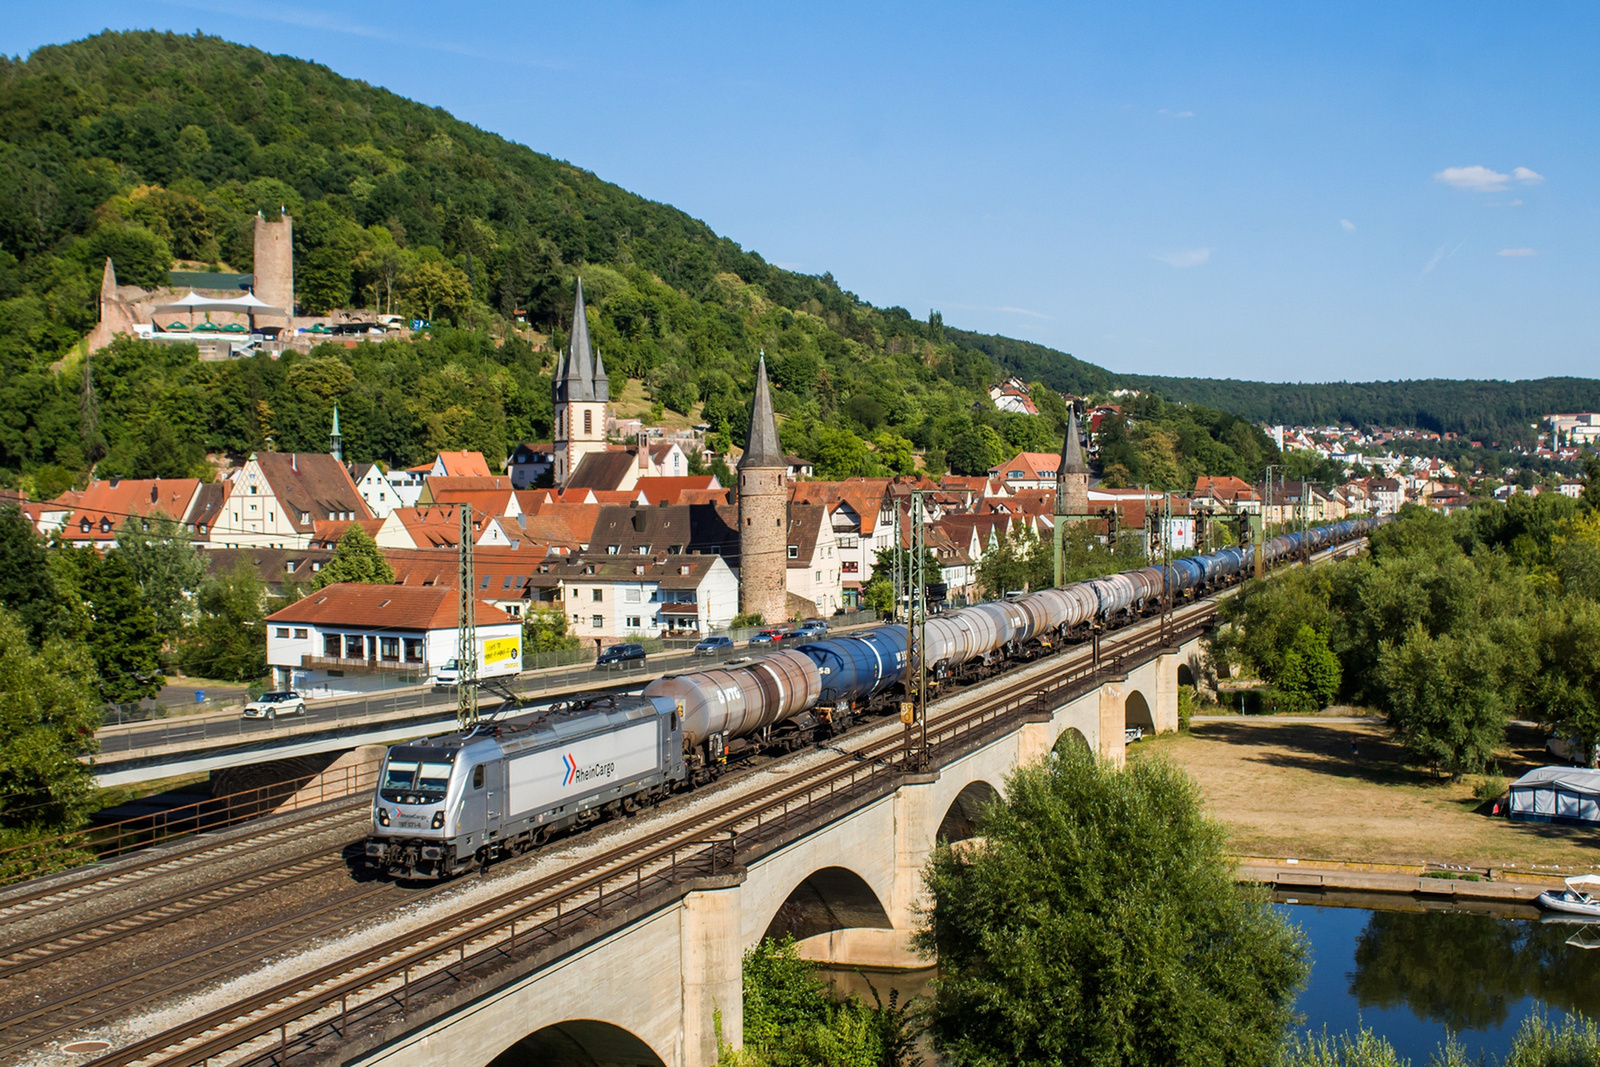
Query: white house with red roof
point(1013, 394)
point(1028, 470)
point(105, 506)
point(352, 638)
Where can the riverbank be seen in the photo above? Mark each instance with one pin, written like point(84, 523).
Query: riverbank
point(1337, 790)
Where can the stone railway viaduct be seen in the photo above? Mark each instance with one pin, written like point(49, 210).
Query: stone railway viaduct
point(656, 988)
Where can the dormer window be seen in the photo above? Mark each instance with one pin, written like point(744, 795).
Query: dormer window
point(638, 568)
point(105, 525)
point(794, 551)
point(683, 568)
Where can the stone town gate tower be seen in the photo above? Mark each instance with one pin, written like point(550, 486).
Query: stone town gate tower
point(763, 512)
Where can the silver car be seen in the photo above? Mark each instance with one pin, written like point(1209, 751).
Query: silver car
point(271, 705)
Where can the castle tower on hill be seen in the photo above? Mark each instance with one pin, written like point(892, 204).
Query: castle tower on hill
point(763, 511)
point(582, 392)
point(1072, 474)
point(274, 262)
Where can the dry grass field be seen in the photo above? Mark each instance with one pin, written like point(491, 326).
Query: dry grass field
point(1291, 787)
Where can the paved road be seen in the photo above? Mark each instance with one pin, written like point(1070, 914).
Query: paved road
point(198, 728)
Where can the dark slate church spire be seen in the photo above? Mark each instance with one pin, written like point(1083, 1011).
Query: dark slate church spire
point(577, 374)
point(1072, 449)
point(761, 446)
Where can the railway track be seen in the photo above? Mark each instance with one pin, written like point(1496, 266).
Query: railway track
point(752, 812)
point(56, 893)
point(384, 978)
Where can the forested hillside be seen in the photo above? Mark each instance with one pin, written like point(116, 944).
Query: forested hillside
point(151, 148)
point(1489, 410)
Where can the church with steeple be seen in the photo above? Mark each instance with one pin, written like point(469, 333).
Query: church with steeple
point(582, 392)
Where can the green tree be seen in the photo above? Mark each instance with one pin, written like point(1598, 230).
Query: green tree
point(48, 716)
point(792, 1020)
point(168, 568)
point(545, 630)
point(1018, 560)
point(26, 586)
point(1310, 670)
point(1099, 922)
point(1446, 698)
point(230, 639)
point(124, 637)
point(356, 558)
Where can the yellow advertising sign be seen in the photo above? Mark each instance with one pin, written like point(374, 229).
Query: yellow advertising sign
point(501, 649)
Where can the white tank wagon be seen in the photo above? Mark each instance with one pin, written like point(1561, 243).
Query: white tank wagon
point(727, 710)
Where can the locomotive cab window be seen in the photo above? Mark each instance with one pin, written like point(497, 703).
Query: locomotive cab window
point(477, 777)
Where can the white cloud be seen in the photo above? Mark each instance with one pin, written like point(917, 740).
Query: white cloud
point(1184, 257)
point(1477, 179)
point(1526, 176)
point(1347, 226)
point(1517, 252)
point(1176, 114)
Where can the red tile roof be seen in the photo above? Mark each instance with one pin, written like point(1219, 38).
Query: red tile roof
point(464, 464)
point(384, 607)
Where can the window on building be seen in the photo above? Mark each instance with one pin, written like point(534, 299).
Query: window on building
point(633, 622)
point(282, 631)
point(485, 583)
point(819, 577)
point(355, 646)
point(252, 490)
point(299, 633)
point(507, 583)
point(612, 550)
point(588, 421)
point(598, 595)
point(597, 621)
point(630, 596)
point(794, 551)
point(389, 649)
point(330, 645)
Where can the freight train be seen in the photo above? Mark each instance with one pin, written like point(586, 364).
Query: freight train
point(445, 805)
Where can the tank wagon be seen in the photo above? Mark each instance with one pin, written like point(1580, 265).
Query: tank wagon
point(447, 804)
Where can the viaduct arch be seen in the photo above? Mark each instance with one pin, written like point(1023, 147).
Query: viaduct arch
point(579, 1043)
point(651, 987)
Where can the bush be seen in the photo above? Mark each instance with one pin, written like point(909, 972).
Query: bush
point(1366, 1049)
point(1489, 787)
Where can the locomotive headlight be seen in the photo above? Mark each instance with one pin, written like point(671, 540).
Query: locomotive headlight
point(438, 820)
point(383, 816)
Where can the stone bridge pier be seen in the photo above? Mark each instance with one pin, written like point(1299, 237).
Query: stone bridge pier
point(662, 988)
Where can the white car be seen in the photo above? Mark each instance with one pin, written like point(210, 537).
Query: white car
point(1132, 734)
point(271, 705)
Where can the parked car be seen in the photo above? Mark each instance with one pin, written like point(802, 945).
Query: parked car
point(271, 705)
point(447, 675)
point(809, 629)
point(712, 646)
point(1132, 734)
point(620, 656)
point(769, 637)
point(820, 625)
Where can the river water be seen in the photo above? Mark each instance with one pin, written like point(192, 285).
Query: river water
point(1412, 975)
point(1409, 974)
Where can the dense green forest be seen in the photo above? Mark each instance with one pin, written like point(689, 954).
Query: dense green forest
point(151, 148)
point(1487, 410)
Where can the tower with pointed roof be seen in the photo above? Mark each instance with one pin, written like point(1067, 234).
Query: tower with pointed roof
point(763, 512)
point(1072, 487)
point(335, 439)
point(1072, 474)
point(582, 392)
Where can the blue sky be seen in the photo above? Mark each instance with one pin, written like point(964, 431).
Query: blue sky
point(1275, 191)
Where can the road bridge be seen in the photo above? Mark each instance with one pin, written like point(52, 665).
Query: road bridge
point(634, 957)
